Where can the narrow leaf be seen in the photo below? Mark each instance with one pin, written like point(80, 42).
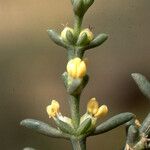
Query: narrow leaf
point(100, 39)
point(145, 127)
point(113, 123)
point(84, 126)
point(63, 126)
point(82, 40)
point(65, 78)
point(88, 3)
point(74, 86)
point(55, 37)
point(132, 135)
point(78, 7)
point(70, 37)
point(143, 83)
point(42, 128)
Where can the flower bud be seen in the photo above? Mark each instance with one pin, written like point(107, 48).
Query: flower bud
point(85, 37)
point(76, 68)
point(94, 109)
point(53, 109)
point(92, 106)
point(102, 111)
point(67, 34)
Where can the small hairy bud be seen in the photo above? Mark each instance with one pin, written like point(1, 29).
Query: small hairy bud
point(92, 106)
point(76, 68)
point(67, 34)
point(89, 36)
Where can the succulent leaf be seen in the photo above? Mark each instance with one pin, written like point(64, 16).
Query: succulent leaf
point(42, 128)
point(113, 122)
point(143, 83)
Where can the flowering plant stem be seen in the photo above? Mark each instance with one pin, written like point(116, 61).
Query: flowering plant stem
point(79, 144)
point(78, 128)
point(74, 102)
point(77, 25)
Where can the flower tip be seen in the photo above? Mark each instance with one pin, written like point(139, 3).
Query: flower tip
point(76, 68)
point(102, 111)
point(53, 109)
point(92, 106)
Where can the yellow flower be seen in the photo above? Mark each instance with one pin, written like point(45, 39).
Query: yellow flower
point(102, 111)
point(53, 109)
point(92, 106)
point(89, 34)
point(76, 68)
point(94, 109)
point(63, 33)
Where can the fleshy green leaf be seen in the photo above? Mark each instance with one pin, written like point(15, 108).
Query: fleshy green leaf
point(143, 83)
point(74, 86)
point(113, 122)
point(84, 126)
point(100, 39)
point(43, 128)
point(55, 37)
point(87, 3)
point(82, 40)
point(145, 127)
point(70, 37)
point(78, 7)
point(63, 126)
point(132, 135)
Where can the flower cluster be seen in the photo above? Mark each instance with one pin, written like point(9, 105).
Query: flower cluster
point(93, 113)
point(84, 38)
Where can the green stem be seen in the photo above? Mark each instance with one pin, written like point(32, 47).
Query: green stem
point(77, 25)
point(75, 52)
point(79, 144)
point(74, 107)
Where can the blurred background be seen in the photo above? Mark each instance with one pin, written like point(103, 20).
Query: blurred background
point(31, 66)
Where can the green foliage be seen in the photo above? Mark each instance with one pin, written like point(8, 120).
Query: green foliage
point(55, 37)
point(74, 86)
point(63, 126)
point(113, 122)
point(43, 128)
point(138, 136)
point(145, 127)
point(143, 84)
point(84, 126)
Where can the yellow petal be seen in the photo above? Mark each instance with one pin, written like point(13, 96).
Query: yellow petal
point(102, 111)
point(51, 112)
point(92, 106)
point(55, 104)
point(53, 109)
point(76, 68)
point(81, 70)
